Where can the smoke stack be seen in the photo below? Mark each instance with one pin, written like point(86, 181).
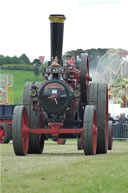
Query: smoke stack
point(57, 27)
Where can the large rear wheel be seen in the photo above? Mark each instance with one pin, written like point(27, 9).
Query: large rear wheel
point(36, 141)
point(98, 96)
point(84, 77)
point(20, 135)
point(90, 130)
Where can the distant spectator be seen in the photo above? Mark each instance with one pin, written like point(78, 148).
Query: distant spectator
point(122, 119)
point(110, 118)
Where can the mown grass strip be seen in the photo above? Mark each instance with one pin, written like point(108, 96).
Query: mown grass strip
point(68, 172)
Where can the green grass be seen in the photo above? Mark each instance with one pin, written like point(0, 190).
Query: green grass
point(64, 169)
point(20, 78)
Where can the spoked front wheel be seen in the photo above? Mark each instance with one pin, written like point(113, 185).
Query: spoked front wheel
point(20, 133)
point(90, 130)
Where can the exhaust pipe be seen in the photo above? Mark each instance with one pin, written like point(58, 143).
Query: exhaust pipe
point(56, 28)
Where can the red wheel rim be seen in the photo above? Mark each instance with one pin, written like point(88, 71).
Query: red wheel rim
point(94, 133)
point(82, 141)
point(41, 122)
point(25, 134)
point(2, 134)
point(59, 140)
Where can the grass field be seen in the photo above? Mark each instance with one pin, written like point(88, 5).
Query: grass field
point(64, 169)
point(19, 78)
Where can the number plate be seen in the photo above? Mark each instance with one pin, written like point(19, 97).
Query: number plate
point(55, 70)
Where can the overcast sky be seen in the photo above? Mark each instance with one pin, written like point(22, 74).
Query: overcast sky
point(25, 27)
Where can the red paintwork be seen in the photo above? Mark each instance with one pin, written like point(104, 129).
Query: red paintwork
point(94, 133)
point(82, 141)
point(55, 129)
point(9, 122)
point(59, 140)
point(75, 75)
point(2, 134)
point(73, 107)
point(2, 131)
point(25, 134)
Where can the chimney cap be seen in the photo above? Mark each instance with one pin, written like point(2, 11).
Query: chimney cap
point(57, 18)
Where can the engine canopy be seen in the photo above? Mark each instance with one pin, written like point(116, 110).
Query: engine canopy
point(55, 96)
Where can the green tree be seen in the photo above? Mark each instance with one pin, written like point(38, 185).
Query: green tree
point(25, 59)
point(2, 59)
point(9, 60)
point(16, 60)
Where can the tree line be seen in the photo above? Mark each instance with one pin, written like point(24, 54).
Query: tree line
point(23, 59)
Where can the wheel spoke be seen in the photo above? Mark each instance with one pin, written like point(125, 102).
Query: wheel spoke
point(25, 135)
point(94, 137)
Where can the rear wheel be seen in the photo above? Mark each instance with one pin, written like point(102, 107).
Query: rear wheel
point(36, 141)
point(84, 77)
point(20, 133)
point(98, 96)
point(5, 133)
point(110, 135)
point(90, 130)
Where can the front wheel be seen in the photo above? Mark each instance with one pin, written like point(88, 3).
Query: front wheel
point(20, 135)
point(90, 130)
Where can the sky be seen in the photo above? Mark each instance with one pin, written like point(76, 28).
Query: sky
point(25, 27)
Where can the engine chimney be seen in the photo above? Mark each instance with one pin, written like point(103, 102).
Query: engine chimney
point(57, 27)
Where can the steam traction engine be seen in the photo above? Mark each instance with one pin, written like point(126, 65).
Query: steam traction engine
point(64, 105)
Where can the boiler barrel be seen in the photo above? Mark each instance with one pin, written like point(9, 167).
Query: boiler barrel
point(57, 28)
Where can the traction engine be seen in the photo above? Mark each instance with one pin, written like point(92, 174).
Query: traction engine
point(63, 106)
